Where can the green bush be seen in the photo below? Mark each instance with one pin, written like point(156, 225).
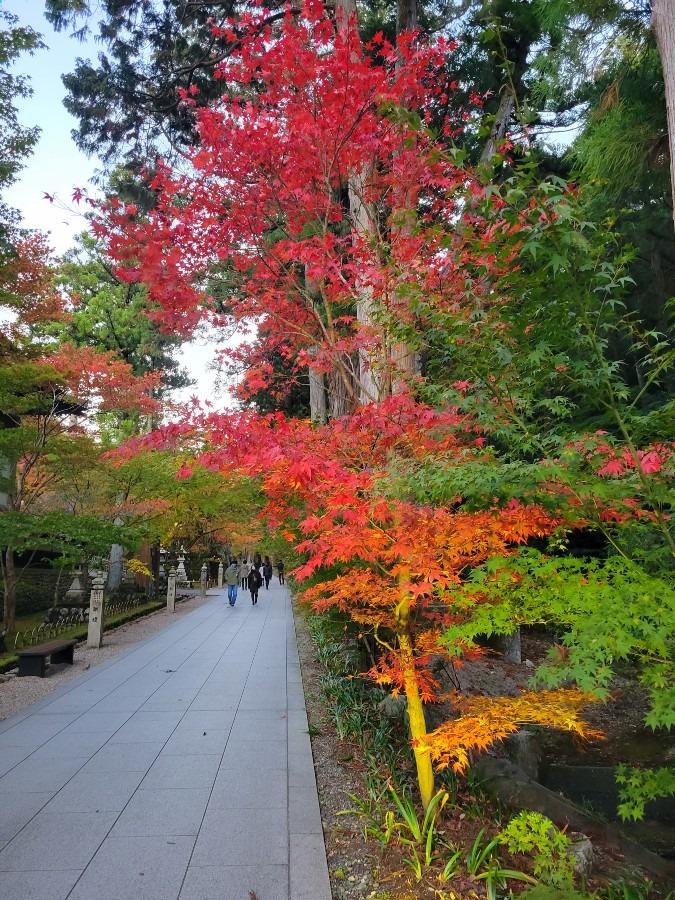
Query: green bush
point(35, 591)
point(535, 835)
point(547, 892)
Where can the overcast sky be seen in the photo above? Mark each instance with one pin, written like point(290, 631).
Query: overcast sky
point(57, 166)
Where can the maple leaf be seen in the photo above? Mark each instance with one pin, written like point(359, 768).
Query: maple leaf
point(484, 720)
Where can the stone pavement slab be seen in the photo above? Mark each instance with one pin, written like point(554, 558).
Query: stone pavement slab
point(179, 770)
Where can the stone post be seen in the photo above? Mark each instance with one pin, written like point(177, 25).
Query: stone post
point(171, 591)
point(75, 590)
point(180, 571)
point(203, 580)
point(220, 574)
point(95, 630)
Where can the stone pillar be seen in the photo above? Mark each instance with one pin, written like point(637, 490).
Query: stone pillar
point(95, 630)
point(171, 592)
point(180, 571)
point(203, 579)
point(220, 574)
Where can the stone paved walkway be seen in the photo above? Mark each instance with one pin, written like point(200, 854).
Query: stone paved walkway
point(181, 770)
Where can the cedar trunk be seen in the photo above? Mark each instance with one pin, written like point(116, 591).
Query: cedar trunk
point(663, 26)
point(317, 396)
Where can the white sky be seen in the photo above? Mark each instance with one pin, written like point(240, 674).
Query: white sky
point(57, 167)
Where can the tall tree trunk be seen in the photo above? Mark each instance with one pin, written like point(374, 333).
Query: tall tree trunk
point(115, 563)
point(500, 125)
point(370, 385)
point(362, 218)
point(9, 579)
point(405, 360)
point(317, 381)
point(406, 16)
point(7, 560)
point(339, 396)
point(663, 26)
point(317, 396)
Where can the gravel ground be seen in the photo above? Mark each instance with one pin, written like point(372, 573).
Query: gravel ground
point(17, 693)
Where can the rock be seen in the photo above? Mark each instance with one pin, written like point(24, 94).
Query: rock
point(394, 708)
point(581, 851)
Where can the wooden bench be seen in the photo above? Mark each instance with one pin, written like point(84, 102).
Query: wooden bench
point(33, 660)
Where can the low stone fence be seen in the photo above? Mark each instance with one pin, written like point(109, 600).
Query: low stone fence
point(64, 618)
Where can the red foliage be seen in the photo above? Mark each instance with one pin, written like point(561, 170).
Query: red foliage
point(100, 380)
point(265, 207)
point(26, 286)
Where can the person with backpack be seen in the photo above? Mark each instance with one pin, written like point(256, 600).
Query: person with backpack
point(254, 583)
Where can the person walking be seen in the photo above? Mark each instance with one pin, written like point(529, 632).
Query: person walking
point(280, 571)
point(254, 582)
point(232, 579)
point(244, 570)
point(267, 572)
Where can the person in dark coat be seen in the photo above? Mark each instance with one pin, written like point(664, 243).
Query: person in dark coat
point(280, 571)
point(267, 572)
point(254, 583)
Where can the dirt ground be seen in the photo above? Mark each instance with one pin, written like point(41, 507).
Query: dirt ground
point(358, 869)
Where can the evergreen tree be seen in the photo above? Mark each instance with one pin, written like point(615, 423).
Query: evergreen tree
point(110, 314)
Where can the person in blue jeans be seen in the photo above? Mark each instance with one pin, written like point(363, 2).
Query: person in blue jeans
point(232, 579)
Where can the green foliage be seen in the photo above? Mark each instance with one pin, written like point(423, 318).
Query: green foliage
point(483, 863)
point(200, 510)
point(548, 892)
point(570, 388)
point(35, 591)
point(406, 828)
point(536, 836)
point(377, 823)
point(607, 611)
point(61, 531)
point(28, 388)
point(481, 853)
point(351, 702)
point(127, 101)
point(109, 314)
point(629, 889)
point(639, 786)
